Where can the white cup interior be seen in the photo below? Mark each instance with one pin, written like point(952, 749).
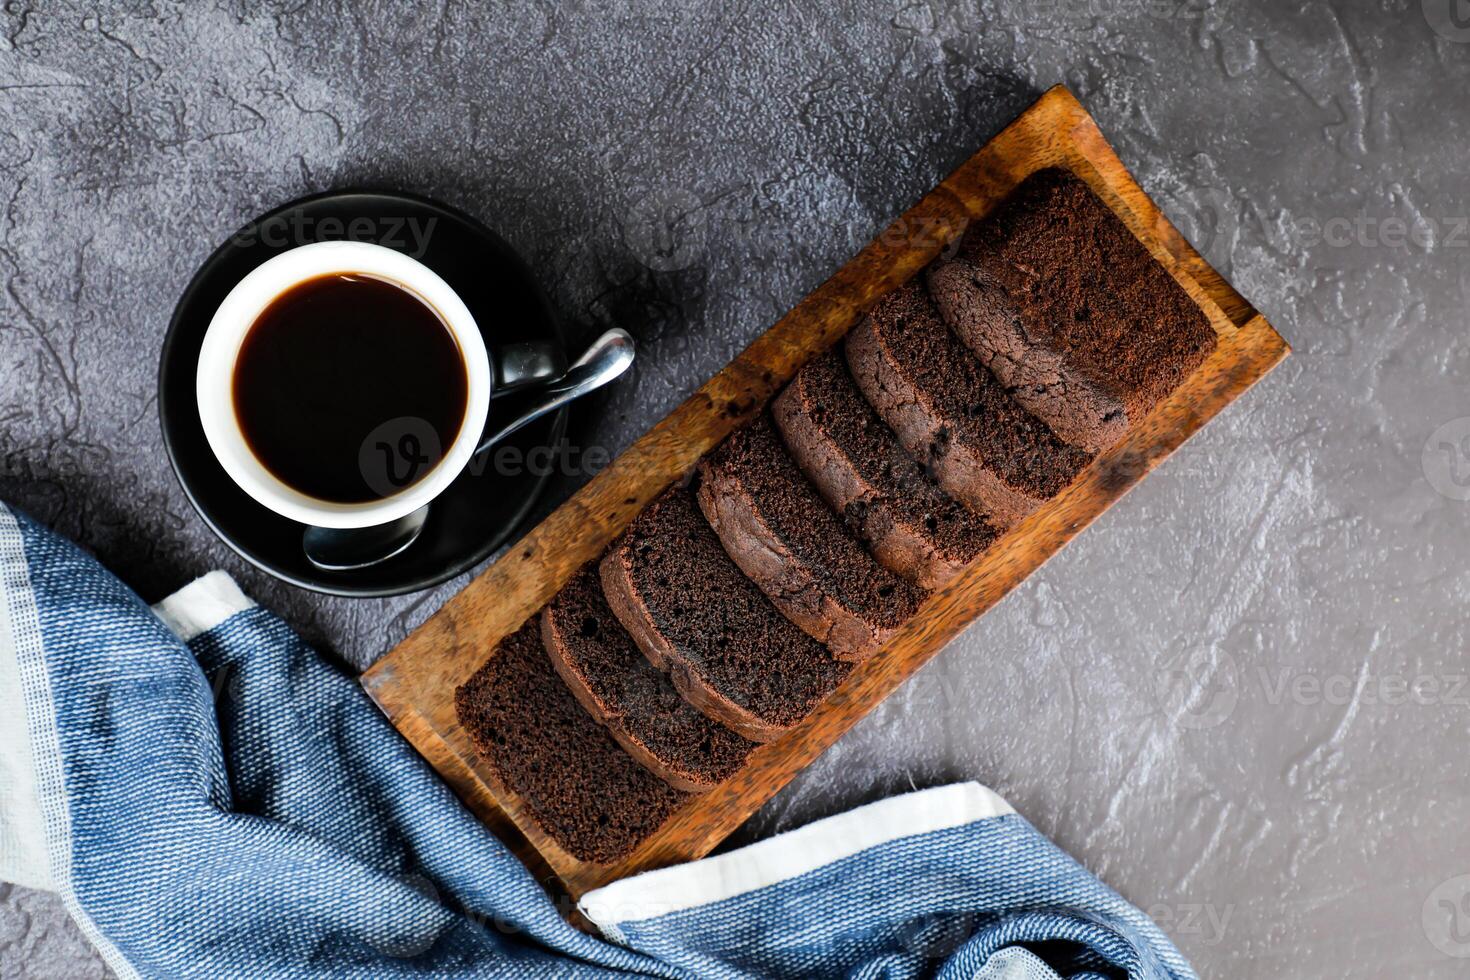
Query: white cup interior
point(214, 378)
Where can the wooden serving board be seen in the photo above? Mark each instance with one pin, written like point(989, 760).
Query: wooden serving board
point(414, 684)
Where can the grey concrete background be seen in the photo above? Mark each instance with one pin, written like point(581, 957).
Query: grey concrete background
point(1240, 698)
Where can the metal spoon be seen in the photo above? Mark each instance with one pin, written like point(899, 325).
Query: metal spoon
point(347, 549)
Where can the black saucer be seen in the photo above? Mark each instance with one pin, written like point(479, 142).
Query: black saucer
point(479, 511)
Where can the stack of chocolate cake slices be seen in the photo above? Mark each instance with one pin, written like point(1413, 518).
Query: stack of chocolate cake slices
point(732, 606)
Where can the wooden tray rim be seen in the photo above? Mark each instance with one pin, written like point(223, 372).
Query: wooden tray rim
point(1062, 132)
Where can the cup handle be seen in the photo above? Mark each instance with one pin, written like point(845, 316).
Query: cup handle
point(524, 364)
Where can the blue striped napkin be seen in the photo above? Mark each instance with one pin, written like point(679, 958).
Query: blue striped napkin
point(212, 799)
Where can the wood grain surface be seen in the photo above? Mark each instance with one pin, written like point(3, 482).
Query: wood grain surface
point(414, 683)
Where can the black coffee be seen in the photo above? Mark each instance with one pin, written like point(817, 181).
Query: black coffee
point(349, 388)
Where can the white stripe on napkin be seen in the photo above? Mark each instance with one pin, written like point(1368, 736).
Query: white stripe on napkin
point(24, 856)
point(202, 605)
point(786, 856)
point(24, 645)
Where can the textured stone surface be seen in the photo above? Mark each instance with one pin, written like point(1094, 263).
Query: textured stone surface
point(1200, 698)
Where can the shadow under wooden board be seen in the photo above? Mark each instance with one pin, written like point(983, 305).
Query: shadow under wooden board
point(414, 684)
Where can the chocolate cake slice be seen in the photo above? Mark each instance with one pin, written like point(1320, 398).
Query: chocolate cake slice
point(694, 613)
point(977, 442)
point(782, 534)
point(617, 685)
point(856, 462)
point(584, 791)
point(1070, 311)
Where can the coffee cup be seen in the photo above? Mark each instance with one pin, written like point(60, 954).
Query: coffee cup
point(269, 439)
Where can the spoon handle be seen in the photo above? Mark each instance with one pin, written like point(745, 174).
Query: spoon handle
point(606, 360)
